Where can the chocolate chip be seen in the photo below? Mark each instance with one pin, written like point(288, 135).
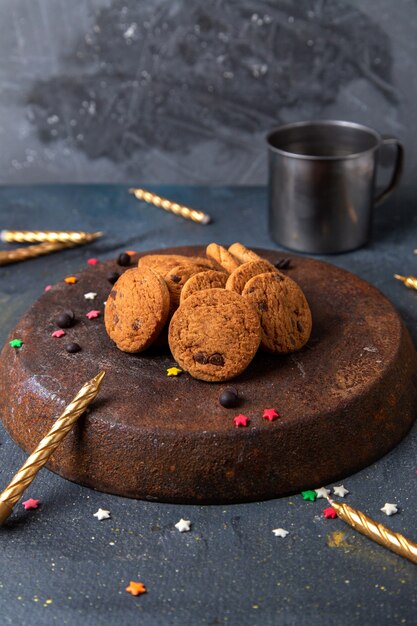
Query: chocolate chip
point(251, 289)
point(263, 306)
point(136, 324)
point(283, 264)
point(112, 277)
point(200, 357)
point(123, 259)
point(175, 279)
point(113, 294)
point(229, 397)
point(216, 359)
point(65, 320)
point(72, 348)
point(300, 327)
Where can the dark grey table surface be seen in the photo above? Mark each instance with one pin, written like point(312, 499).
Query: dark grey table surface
point(60, 565)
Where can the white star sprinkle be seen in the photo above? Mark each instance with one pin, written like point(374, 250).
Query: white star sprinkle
point(184, 525)
point(280, 532)
point(102, 514)
point(322, 492)
point(90, 295)
point(340, 491)
point(389, 509)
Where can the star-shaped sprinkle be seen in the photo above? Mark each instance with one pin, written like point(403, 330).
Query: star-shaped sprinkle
point(31, 504)
point(389, 509)
point(184, 525)
point(322, 492)
point(90, 295)
point(16, 343)
point(92, 314)
point(329, 513)
point(174, 371)
point(309, 495)
point(241, 420)
point(136, 589)
point(58, 333)
point(280, 532)
point(270, 414)
point(71, 280)
point(340, 491)
point(92, 261)
point(48, 288)
point(102, 514)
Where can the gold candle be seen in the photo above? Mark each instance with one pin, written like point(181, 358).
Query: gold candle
point(375, 531)
point(47, 446)
point(31, 252)
point(172, 207)
point(409, 281)
point(52, 236)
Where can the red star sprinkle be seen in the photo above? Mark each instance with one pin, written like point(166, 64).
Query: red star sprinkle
point(58, 333)
point(48, 288)
point(241, 420)
point(92, 261)
point(270, 414)
point(31, 504)
point(329, 513)
point(92, 314)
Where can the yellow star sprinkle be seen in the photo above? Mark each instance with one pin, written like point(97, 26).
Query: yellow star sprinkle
point(71, 280)
point(173, 371)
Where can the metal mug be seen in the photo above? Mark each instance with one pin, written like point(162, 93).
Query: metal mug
point(322, 184)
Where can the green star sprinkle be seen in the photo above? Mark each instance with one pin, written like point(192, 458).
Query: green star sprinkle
point(309, 495)
point(16, 343)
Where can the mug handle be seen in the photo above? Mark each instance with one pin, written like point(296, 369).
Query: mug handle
point(398, 168)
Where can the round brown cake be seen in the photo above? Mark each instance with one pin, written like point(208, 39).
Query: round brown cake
point(343, 401)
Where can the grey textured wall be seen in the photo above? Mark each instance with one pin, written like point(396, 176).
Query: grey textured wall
point(184, 90)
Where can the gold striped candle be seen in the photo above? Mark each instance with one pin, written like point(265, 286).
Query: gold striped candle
point(47, 446)
point(170, 206)
point(51, 236)
point(377, 532)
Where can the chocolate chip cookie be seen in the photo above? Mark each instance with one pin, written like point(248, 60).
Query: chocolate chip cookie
point(137, 309)
point(238, 279)
point(214, 334)
point(163, 263)
point(203, 280)
point(175, 280)
point(283, 311)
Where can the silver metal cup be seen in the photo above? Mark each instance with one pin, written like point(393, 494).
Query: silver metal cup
point(322, 184)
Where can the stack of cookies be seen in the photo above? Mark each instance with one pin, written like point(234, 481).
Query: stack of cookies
point(218, 310)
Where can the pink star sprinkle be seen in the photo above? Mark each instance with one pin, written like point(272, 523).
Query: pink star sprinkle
point(92, 261)
point(329, 513)
point(240, 420)
point(270, 414)
point(31, 504)
point(92, 314)
point(58, 333)
point(48, 288)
